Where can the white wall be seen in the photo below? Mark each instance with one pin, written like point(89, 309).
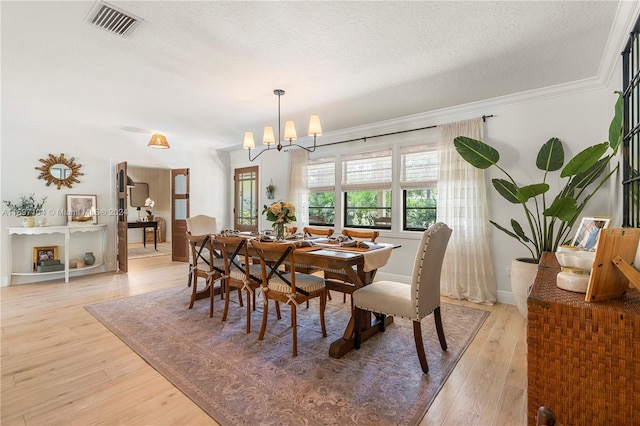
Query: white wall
point(23, 144)
point(579, 114)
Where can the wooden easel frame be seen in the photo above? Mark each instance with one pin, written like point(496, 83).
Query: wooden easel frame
point(613, 266)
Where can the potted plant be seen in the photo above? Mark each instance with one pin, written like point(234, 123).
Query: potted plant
point(28, 207)
point(548, 218)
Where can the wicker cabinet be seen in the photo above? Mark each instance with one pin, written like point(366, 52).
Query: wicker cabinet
point(148, 232)
point(583, 359)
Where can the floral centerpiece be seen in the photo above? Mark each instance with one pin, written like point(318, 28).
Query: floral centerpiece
point(149, 203)
point(280, 213)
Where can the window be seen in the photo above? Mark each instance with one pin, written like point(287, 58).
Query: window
point(631, 132)
point(419, 180)
point(322, 197)
point(366, 182)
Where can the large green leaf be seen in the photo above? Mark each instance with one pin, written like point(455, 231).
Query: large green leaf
point(506, 231)
point(615, 128)
point(530, 191)
point(584, 160)
point(507, 189)
point(589, 176)
point(518, 230)
point(551, 156)
point(475, 152)
point(564, 208)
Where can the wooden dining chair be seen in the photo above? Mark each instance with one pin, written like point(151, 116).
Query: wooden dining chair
point(311, 232)
point(200, 225)
point(291, 288)
point(414, 301)
point(204, 265)
point(240, 273)
point(368, 235)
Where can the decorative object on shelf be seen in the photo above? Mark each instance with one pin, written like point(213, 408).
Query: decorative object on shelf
point(59, 171)
point(575, 270)
point(150, 204)
point(158, 141)
point(41, 254)
point(290, 134)
point(82, 209)
point(271, 190)
point(586, 237)
point(549, 222)
point(280, 213)
point(89, 258)
point(80, 264)
point(28, 207)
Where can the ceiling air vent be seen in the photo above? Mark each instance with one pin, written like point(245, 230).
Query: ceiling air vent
point(114, 20)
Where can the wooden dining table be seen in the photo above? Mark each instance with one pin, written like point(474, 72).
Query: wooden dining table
point(351, 260)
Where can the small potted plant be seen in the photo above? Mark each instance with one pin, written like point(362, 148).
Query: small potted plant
point(548, 219)
point(28, 207)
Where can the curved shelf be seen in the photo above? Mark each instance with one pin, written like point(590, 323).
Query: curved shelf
point(71, 270)
point(67, 231)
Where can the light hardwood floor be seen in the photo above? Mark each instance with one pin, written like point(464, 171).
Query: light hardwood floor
point(60, 366)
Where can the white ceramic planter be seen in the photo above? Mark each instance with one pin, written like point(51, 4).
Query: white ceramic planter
point(523, 274)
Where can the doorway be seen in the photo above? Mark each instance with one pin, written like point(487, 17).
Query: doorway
point(245, 210)
point(149, 191)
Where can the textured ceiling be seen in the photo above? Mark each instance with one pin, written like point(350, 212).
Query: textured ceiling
point(204, 72)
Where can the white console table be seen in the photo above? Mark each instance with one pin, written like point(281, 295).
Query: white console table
point(67, 231)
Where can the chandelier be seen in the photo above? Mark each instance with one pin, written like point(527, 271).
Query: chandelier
point(290, 134)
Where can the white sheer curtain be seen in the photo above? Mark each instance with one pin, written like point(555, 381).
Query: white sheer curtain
point(298, 194)
point(467, 272)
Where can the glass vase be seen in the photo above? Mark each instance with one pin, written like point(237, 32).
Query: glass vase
point(279, 228)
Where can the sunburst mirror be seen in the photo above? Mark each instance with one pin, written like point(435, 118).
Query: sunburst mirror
point(59, 171)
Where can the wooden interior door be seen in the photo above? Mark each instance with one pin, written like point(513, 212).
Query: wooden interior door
point(121, 189)
point(179, 214)
point(245, 207)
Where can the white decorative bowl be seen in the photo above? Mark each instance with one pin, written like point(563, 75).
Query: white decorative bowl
point(576, 259)
point(573, 282)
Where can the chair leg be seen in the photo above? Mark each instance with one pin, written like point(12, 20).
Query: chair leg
point(383, 320)
point(357, 325)
point(278, 314)
point(329, 295)
point(323, 305)
point(265, 311)
point(417, 335)
point(226, 303)
point(294, 328)
point(240, 297)
point(439, 329)
point(193, 293)
point(248, 311)
point(211, 297)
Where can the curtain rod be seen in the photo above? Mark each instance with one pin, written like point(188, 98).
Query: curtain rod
point(364, 139)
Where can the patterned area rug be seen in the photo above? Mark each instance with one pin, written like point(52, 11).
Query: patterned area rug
point(139, 251)
point(238, 379)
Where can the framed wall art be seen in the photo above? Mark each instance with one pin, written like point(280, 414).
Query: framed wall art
point(82, 209)
point(41, 254)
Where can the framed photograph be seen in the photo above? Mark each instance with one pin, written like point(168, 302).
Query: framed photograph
point(82, 209)
point(41, 254)
point(589, 231)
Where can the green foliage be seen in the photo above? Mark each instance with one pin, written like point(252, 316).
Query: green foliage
point(27, 206)
point(549, 225)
